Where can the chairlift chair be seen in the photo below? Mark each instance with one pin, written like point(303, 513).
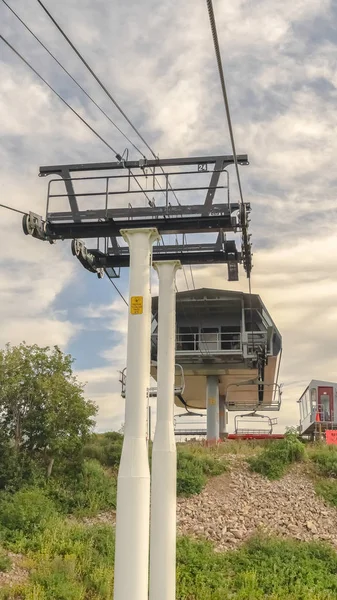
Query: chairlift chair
point(243, 424)
point(179, 386)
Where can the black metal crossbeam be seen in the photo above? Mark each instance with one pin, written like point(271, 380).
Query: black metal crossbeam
point(140, 211)
point(101, 229)
point(140, 164)
point(186, 258)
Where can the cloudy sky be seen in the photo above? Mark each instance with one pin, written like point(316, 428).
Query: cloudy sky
point(157, 59)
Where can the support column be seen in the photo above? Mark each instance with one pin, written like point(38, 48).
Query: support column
point(212, 408)
point(164, 455)
point(133, 484)
point(222, 418)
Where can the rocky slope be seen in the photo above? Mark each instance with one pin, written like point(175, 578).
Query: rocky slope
point(235, 505)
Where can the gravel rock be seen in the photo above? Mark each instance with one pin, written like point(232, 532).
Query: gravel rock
point(17, 574)
point(236, 505)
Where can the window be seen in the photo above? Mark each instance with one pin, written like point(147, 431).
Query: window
point(305, 404)
point(313, 393)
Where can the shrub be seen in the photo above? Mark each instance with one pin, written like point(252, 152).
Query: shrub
point(91, 491)
point(25, 513)
point(106, 448)
point(328, 491)
point(195, 464)
point(211, 466)
point(190, 476)
point(277, 456)
point(5, 562)
point(326, 460)
point(264, 568)
point(72, 562)
point(58, 580)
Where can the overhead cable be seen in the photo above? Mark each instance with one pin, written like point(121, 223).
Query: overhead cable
point(79, 116)
point(113, 100)
point(94, 74)
point(119, 292)
point(72, 109)
point(58, 95)
point(71, 77)
point(230, 127)
point(82, 89)
point(223, 87)
point(13, 209)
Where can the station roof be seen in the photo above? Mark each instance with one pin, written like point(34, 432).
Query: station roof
point(205, 294)
point(215, 299)
point(317, 383)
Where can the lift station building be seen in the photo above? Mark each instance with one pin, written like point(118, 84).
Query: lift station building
point(219, 334)
point(318, 407)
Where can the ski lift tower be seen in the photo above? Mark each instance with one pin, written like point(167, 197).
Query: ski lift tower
point(113, 213)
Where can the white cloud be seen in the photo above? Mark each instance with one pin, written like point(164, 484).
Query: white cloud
point(158, 61)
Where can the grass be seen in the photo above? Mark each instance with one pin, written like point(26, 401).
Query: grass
point(265, 568)
point(75, 562)
point(5, 562)
point(195, 463)
point(235, 447)
point(94, 490)
point(275, 459)
point(324, 460)
point(194, 466)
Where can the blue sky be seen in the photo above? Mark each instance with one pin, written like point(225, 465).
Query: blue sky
point(157, 59)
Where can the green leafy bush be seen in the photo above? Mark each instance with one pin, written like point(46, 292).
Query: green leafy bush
point(58, 580)
point(263, 569)
point(25, 513)
point(75, 562)
point(5, 562)
point(72, 562)
point(274, 460)
point(193, 470)
point(190, 476)
point(91, 491)
point(325, 457)
point(328, 490)
point(106, 448)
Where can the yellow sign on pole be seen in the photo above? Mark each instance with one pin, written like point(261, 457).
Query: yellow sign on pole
point(136, 307)
point(212, 401)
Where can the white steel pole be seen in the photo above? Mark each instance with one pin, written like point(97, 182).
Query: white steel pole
point(164, 454)
point(133, 484)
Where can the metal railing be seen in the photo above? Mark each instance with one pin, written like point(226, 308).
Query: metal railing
point(218, 343)
point(185, 425)
point(211, 342)
point(256, 339)
point(254, 424)
point(324, 416)
point(81, 188)
point(179, 386)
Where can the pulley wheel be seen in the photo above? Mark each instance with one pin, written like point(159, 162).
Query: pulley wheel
point(27, 226)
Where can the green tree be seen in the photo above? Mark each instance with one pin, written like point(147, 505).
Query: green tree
point(43, 412)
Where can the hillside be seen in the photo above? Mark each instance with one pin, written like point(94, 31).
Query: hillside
point(239, 504)
point(242, 535)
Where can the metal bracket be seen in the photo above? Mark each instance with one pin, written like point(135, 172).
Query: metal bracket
point(33, 224)
point(86, 259)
